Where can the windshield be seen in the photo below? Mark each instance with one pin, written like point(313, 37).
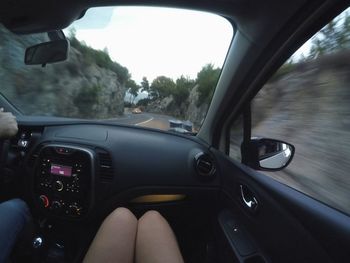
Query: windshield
point(153, 67)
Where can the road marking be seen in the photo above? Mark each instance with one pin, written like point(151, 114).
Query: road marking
point(137, 124)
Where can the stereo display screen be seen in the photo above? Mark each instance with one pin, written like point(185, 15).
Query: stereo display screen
point(61, 170)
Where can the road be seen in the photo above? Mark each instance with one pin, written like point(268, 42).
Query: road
point(150, 120)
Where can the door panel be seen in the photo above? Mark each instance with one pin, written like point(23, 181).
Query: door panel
point(287, 226)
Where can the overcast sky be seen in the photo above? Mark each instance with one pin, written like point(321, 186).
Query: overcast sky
point(157, 41)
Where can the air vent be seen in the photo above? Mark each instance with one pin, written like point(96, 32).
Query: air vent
point(204, 165)
point(105, 166)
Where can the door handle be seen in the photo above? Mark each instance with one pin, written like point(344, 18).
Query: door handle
point(248, 198)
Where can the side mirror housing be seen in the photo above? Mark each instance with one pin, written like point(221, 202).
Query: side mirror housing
point(48, 52)
point(267, 154)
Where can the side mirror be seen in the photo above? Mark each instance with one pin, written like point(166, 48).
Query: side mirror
point(48, 52)
point(267, 154)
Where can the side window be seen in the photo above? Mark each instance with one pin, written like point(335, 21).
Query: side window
point(236, 139)
point(307, 103)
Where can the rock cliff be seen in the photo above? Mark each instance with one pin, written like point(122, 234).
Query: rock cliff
point(74, 88)
point(195, 113)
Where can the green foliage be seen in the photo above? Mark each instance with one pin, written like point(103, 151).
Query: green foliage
point(72, 33)
point(162, 87)
point(127, 104)
point(133, 88)
point(207, 79)
point(86, 99)
point(145, 85)
point(143, 102)
point(182, 89)
point(333, 37)
point(100, 58)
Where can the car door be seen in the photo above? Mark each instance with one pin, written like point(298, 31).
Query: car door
point(301, 213)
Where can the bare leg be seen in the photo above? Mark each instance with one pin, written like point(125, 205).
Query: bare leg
point(115, 240)
point(155, 241)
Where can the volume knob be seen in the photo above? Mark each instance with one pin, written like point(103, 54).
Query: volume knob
point(59, 186)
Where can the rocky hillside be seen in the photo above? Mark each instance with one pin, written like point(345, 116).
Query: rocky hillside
point(194, 112)
point(187, 110)
point(75, 88)
point(309, 107)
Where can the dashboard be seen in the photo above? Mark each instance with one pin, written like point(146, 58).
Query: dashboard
point(75, 169)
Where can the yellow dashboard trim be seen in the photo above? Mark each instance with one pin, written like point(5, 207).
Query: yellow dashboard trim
point(158, 198)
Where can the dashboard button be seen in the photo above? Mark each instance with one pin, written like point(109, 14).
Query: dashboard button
point(56, 205)
point(75, 209)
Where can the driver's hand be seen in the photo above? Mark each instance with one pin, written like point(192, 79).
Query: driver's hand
point(8, 125)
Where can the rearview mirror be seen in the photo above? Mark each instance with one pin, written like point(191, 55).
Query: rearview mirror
point(48, 52)
point(267, 154)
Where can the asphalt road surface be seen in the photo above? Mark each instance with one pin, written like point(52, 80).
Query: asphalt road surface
point(149, 120)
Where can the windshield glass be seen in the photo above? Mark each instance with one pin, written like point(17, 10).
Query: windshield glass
point(153, 67)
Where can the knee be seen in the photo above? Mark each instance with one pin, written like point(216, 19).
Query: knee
point(151, 217)
point(15, 213)
point(18, 206)
point(122, 214)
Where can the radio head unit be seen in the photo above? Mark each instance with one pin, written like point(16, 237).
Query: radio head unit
point(63, 180)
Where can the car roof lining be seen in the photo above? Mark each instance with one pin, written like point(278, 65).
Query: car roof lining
point(250, 16)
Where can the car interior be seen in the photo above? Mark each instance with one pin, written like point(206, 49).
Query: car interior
point(72, 172)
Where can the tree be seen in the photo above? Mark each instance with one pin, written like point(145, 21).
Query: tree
point(162, 87)
point(133, 89)
point(72, 33)
point(333, 37)
point(207, 79)
point(182, 89)
point(145, 85)
point(143, 102)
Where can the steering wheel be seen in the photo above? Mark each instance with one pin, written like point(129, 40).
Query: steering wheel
point(4, 148)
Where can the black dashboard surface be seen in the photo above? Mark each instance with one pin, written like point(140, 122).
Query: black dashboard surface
point(140, 157)
point(158, 161)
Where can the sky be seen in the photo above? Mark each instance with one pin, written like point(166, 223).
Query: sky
point(156, 41)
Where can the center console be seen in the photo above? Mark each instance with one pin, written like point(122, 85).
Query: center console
point(63, 178)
